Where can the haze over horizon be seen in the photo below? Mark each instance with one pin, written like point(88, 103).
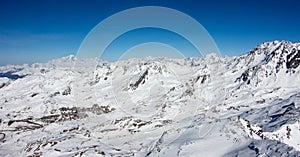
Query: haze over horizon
point(37, 31)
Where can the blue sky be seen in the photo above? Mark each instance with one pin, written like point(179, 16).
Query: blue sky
point(37, 31)
point(140, 36)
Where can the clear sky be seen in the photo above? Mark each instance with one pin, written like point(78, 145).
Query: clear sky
point(37, 31)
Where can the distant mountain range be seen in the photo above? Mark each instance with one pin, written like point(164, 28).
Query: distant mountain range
point(246, 105)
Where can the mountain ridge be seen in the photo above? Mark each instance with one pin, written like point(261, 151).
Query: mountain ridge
point(242, 105)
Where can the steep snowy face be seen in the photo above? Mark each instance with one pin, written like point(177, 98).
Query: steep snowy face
point(244, 106)
point(269, 64)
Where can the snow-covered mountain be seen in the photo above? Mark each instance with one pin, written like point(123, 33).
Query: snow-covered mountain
point(212, 106)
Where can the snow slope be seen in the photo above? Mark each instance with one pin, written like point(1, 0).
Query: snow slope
point(233, 106)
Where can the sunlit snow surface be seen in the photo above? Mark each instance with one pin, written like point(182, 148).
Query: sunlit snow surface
point(212, 106)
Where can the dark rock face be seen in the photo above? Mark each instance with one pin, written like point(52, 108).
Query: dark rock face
point(2, 85)
point(140, 80)
point(293, 59)
point(67, 91)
